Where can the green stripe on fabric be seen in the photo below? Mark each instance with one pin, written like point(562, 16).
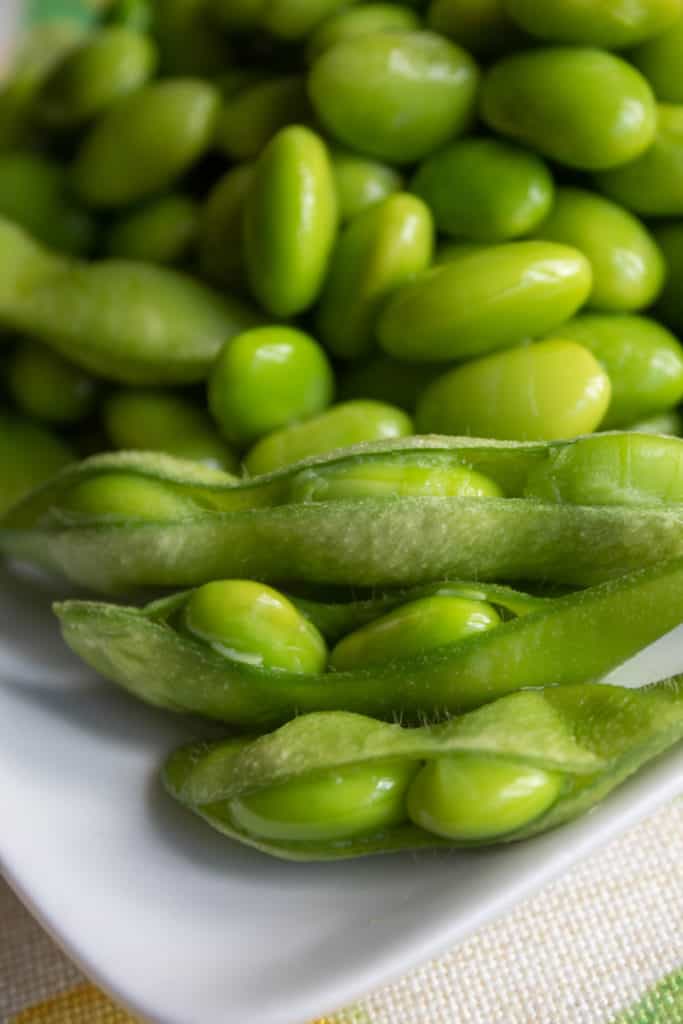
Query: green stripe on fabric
point(662, 1004)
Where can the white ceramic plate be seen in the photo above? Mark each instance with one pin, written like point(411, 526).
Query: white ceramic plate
point(186, 928)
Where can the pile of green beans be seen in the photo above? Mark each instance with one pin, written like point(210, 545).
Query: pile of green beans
point(378, 304)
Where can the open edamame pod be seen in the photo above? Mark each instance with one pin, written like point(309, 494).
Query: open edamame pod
point(574, 638)
point(336, 785)
point(206, 525)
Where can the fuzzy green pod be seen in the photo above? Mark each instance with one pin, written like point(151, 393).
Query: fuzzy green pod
point(163, 231)
point(143, 144)
point(489, 299)
point(609, 24)
point(381, 249)
point(396, 96)
point(605, 119)
point(250, 118)
point(290, 221)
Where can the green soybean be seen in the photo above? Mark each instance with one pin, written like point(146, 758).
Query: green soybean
point(609, 24)
point(485, 190)
point(381, 249)
point(447, 252)
point(161, 231)
point(34, 193)
point(295, 19)
point(605, 119)
point(344, 424)
point(384, 479)
point(360, 182)
point(469, 797)
point(484, 301)
point(643, 361)
point(660, 60)
point(348, 23)
point(145, 142)
point(267, 378)
point(250, 119)
point(669, 308)
point(29, 455)
point(652, 183)
point(395, 96)
point(552, 389)
point(108, 65)
point(628, 268)
point(47, 387)
point(290, 221)
point(333, 805)
point(611, 469)
point(221, 229)
point(670, 423)
point(411, 629)
point(387, 380)
point(156, 421)
point(119, 497)
point(481, 26)
point(252, 623)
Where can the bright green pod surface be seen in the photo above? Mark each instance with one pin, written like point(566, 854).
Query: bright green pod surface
point(572, 745)
point(481, 26)
point(351, 22)
point(606, 118)
point(34, 194)
point(545, 391)
point(669, 308)
point(652, 184)
point(221, 229)
point(485, 190)
point(610, 23)
point(247, 527)
point(643, 361)
point(333, 805)
point(628, 268)
point(342, 425)
point(256, 625)
point(161, 231)
point(108, 65)
point(488, 300)
point(660, 60)
point(156, 421)
point(469, 798)
point(387, 380)
point(267, 378)
point(290, 221)
point(360, 182)
point(396, 96)
point(542, 641)
point(384, 479)
point(146, 142)
point(612, 469)
point(415, 627)
point(29, 455)
point(380, 250)
point(126, 321)
point(250, 118)
point(47, 387)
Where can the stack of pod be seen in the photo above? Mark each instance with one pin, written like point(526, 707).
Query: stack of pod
point(377, 304)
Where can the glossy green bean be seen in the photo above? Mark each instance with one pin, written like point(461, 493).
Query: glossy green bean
point(360, 182)
point(162, 231)
point(350, 22)
point(660, 60)
point(608, 24)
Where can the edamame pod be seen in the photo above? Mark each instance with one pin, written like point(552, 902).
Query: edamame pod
point(350, 22)
point(145, 142)
point(380, 250)
point(47, 387)
point(480, 26)
point(546, 391)
point(628, 268)
point(660, 60)
point(267, 378)
point(535, 760)
point(155, 421)
point(221, 229)
point(290, 221)
point(29, 455)
point(396, 96)
point(484, 301)
point(344, 424)
point(249, 528)
point(605, 119)
point(107, 66)
point(643, 361)
point(250, 118)
point(652, 183)
point(669, 238)
point(485, 190)
point(161, 231)
point(608, 24)
point(361, 182)
point(126, 321)
point(561, 641)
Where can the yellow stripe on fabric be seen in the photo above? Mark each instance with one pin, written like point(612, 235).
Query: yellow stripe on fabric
point(84, 1004)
